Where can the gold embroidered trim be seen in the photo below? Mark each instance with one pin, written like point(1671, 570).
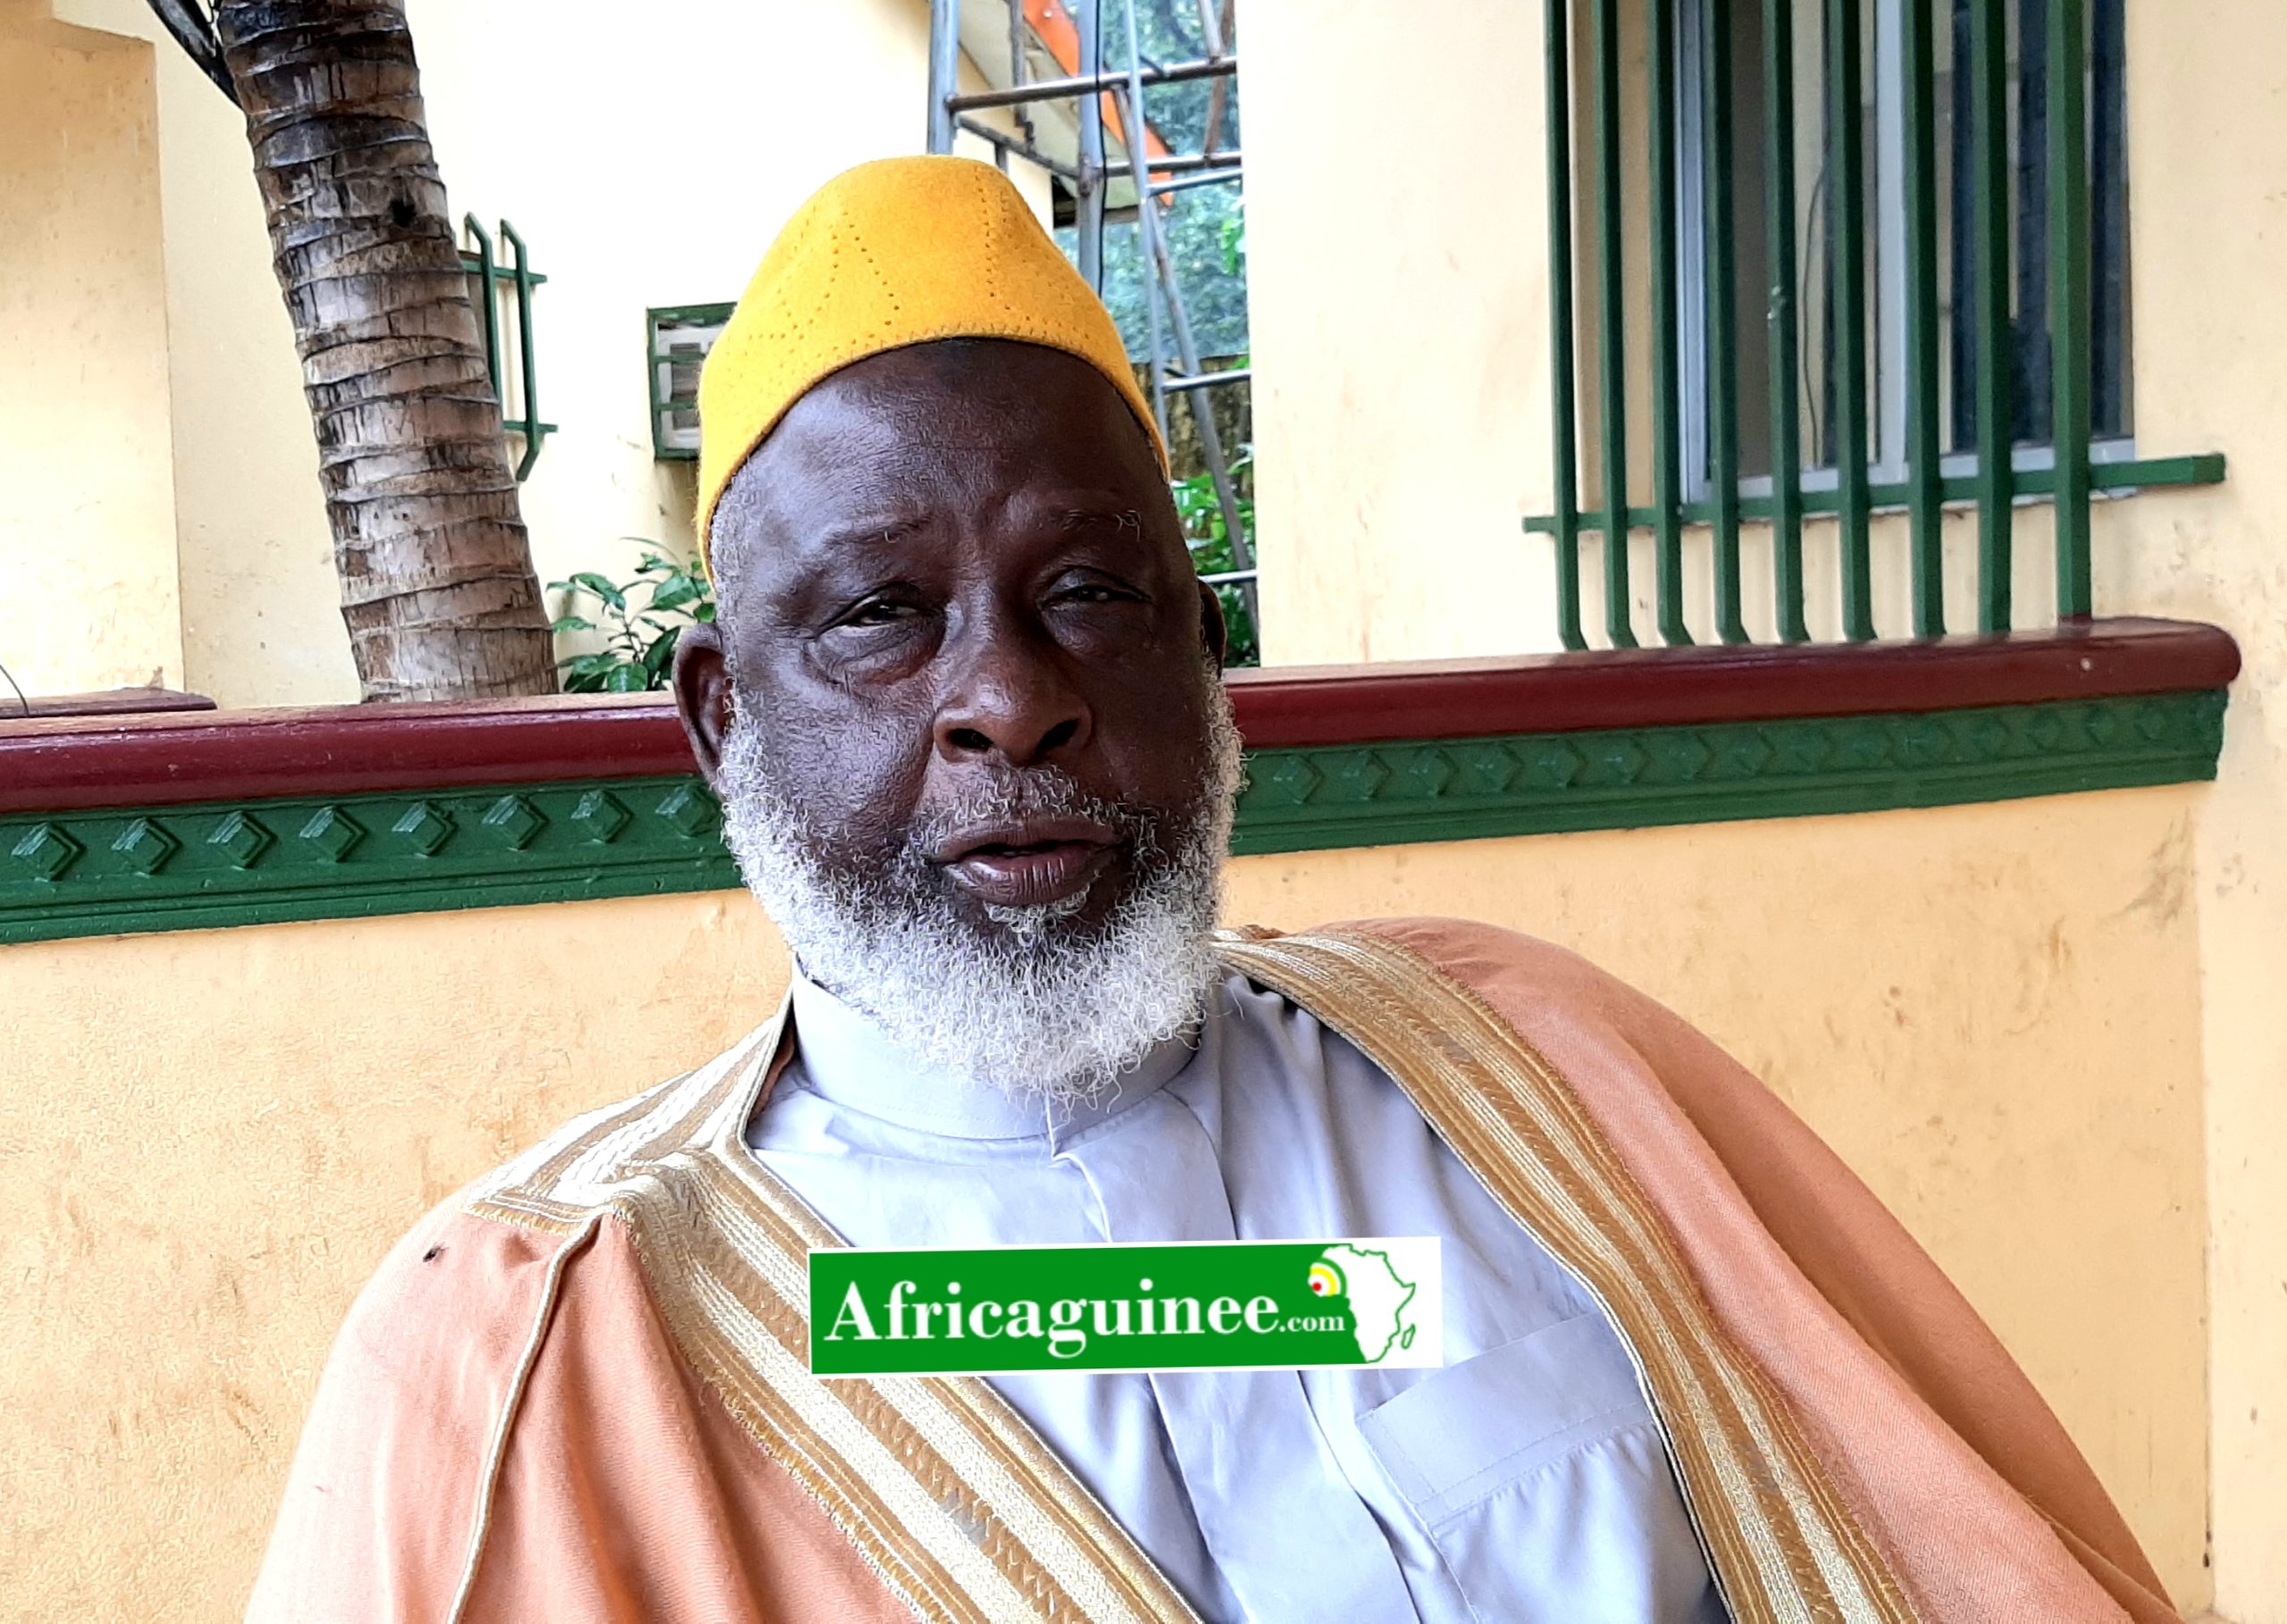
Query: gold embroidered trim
point(941, 1487)
point(1784, 1547)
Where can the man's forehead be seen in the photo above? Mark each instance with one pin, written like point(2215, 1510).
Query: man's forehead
point(902, 432)
point(966, 391)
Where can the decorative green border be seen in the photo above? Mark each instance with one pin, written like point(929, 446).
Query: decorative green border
point(117, 871)
point(1628, 778)
point(82, 874)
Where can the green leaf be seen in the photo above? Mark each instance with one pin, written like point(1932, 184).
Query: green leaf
point(676, 593)
point(602, 589)
point(592, 664)
point(626, 679)
point(571, 623)
point(661, 654)
point(705, 613)
point(583, 684)
point(1231, 235)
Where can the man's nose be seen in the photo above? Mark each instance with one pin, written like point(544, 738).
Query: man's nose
point(1013, 701)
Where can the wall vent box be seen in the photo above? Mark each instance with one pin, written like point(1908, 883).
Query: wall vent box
point(677, 337)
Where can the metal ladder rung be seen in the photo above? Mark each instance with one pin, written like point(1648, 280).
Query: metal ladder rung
point(1207, 380)
point(1015, 146)
point(1184, 184)
point(1080, 85)
point(1174, 163)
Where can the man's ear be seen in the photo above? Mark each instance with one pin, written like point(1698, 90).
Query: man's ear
point(1212, 631)
point(702, 684)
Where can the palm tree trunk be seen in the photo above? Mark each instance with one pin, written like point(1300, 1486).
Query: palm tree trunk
point(437, 580)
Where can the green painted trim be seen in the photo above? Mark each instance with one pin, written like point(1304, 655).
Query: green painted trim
point(505, 274)
point(117, 871)
point(1628, 778)
point(266, 862)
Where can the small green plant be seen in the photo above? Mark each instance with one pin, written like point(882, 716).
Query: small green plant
point(639, 637)
point(1209, 541)
point(1231, 238)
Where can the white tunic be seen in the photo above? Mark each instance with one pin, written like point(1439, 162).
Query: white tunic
point(1526, 1480)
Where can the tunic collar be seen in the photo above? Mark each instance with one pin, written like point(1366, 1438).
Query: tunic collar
point(850, 1062)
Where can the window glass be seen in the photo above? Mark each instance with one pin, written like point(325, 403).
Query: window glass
point(1882, 141)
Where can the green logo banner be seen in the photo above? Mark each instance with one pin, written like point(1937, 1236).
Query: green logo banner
point(1194, 1306)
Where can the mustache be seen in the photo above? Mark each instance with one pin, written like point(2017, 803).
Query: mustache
point(1028, 792)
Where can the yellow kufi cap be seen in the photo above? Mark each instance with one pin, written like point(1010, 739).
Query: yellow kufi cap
point(897, 252)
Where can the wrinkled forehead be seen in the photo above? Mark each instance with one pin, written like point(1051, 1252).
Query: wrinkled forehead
point(932, 433)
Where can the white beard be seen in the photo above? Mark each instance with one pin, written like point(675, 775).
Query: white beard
point(1029, 1005)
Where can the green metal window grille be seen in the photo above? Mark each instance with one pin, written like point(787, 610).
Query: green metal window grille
point(1884, 251)
point(513, 283)
point(676, 338)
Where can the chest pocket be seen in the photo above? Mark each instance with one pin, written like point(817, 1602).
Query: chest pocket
point(1538, 1473)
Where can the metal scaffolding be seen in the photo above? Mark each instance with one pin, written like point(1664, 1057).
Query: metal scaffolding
point(1153, 178)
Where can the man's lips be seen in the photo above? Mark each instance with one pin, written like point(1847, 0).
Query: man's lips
point(1028, 862)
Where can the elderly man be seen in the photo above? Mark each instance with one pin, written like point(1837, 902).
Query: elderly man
point(962, 711)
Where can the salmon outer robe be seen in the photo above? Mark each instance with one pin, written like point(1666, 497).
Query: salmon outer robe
point(507, 1430)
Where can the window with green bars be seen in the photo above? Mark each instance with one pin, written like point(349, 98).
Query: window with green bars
point(1879, 274)
point(502, 297)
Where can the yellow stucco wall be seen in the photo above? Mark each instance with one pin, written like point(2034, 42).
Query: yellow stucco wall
point(207, 1139)
point(1396, 255)
point(87, 595)
point(259, 617)
point(2208, 128)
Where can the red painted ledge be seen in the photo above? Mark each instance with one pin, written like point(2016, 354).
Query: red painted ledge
point(1541, 693)
point(66, 764)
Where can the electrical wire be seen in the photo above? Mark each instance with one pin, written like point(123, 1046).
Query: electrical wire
point(19, 687)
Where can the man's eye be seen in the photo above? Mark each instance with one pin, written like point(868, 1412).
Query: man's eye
point(1092, 591)
point(878, 612)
